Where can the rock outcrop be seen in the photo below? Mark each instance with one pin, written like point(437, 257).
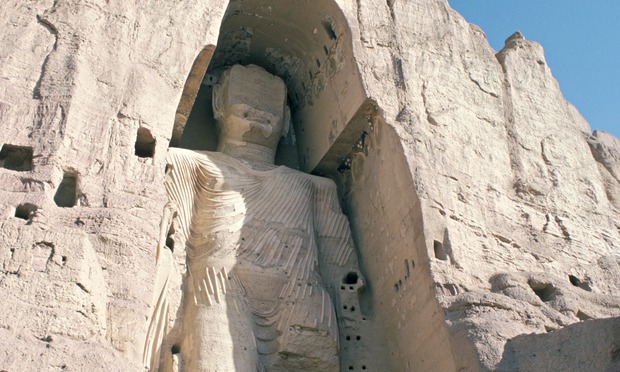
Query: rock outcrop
point(484, 212)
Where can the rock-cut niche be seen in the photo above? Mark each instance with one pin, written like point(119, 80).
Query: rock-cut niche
point(311, 50)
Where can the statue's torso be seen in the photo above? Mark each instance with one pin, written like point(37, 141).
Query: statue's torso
point(256, 226)
point(252, 249)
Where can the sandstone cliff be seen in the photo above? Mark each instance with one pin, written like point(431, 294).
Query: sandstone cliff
point(485, 213)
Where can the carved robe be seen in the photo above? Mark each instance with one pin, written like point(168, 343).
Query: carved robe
point(266, 254)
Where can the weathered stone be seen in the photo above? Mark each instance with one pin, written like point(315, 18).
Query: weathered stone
point(484, 212)
point(269, 254)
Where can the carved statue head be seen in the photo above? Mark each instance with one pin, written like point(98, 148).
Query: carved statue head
point(249, 105)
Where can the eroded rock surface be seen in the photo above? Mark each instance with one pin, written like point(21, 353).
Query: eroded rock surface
point(483, 210)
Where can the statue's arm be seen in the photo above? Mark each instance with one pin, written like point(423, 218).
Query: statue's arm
point(337, 255)
point(181, 167)
point(165, 226)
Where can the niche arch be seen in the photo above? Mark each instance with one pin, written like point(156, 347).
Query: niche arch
point(307, 44)
point(310, 46)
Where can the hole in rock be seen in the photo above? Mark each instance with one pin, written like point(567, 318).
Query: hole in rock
point(350, 367)
point(66, 194)
point(329, 30)
point(348, 338)
point(407, 270)
point(170, 243)
point(352, 308)
point(351, 278)
point(24, 211)
point(440, 253)
point(574, 280)
point(358, 338)
point(17, 158)
point(170, 239)
point(145, 143)
point(544, 291)
point(363, 367)
point(175, 349)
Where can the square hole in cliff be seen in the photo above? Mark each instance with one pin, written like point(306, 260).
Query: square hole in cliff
point(440, 252)
point(66, 194)
point(25, 211)
point(17, 158)
point(145, 144)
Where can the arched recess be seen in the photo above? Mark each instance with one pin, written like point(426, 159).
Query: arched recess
point(191, 94)
point(308, 45)
point(340, 131)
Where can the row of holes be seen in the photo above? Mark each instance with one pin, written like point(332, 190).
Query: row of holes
point(408, 268)
point(65, 196)
point(349, 280)
point(19, 158)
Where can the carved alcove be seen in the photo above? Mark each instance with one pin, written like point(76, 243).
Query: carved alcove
point(339, 131)
point(309, 46)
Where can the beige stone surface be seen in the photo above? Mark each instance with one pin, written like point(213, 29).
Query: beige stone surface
point(77, 80)
point(483, 211)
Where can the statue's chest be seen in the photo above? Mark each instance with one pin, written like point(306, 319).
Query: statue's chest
point(265, 219)
point(277, 196)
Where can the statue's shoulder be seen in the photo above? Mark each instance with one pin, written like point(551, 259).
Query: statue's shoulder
point(176, 154)
point(181, 152)
point(318, 182)
point(204, 163)
point(323, 183)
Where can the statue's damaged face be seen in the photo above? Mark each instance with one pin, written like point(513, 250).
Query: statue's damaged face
point(250, 106)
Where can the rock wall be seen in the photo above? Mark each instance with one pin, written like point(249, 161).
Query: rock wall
point(88, 95)
point(518, 207)
point(484, 212)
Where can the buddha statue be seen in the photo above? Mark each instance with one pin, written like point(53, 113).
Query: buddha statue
point(271, 272)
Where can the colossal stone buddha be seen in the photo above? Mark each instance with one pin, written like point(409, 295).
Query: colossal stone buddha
point(271, 270)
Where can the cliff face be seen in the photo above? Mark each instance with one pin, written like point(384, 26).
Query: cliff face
point(519, 212)
point(484, 212)
point(80, 209)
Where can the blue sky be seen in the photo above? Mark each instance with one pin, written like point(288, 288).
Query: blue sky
point(581, 41)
